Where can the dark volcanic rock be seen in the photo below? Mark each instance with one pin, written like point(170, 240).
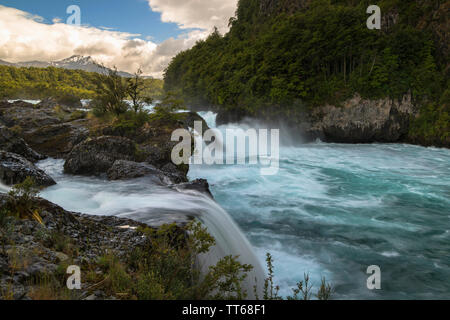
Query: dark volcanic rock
point(49, 102)
point(27, 116)
point(11, 142)
point(97, 155)
point(122, 170)
point(177, 173)
point(199, 185)
point(57, 140)
point(15, 169)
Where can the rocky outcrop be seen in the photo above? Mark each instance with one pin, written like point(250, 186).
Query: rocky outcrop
point(15, 169)
point(188, 120)
point(11, 142)
point(199, 185)
point(123, 170)
point(97, 155)
point(57, 140)
point(27, 116)
point(47, 127)
point(363, 121)
point(36, 251)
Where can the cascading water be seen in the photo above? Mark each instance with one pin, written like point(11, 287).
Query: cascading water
point(145, 202)
point(335, 209)
point(3, 188)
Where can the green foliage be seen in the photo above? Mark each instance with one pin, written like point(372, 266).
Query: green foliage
point(166, 110)
point(110, 92)
point(67, 99)
point(127, 123)
point(270, 290)
point(432, 126)
point(272, 58)
point(65, 85)
point(224, 280)
point(166, 268)
point(78, 114)
point(39, 83)
point(135, 90)
point(20, 202)
point(303, 290)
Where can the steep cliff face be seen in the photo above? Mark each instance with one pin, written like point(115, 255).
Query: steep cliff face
point(361, 121)
point(293, 60)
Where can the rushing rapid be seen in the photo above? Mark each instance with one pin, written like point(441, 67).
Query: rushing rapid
point(335, 209)
point(331, 211)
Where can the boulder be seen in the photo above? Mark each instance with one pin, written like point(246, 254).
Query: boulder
point(11, 142)
point(199, 185)
point(122, 170)
point(15, 169)
point(95, 156)
point(28, 116)
point(177, 173)
point(57, 140)
point(188, 120)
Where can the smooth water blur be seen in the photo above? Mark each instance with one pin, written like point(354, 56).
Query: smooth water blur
point(144, 201)
point(335, 209)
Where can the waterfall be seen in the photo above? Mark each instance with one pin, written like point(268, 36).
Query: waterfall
point(229, 241)
point(154, 205)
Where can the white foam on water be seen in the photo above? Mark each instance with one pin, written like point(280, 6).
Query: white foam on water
point(140, 200)
point(4, 188)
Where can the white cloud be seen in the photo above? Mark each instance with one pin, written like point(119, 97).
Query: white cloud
point(201, 14)
point(25, 37)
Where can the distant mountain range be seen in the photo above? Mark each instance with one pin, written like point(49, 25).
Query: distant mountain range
point(75, 62)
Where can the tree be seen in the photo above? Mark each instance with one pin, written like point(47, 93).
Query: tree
point(111, 92)
point(136, 91)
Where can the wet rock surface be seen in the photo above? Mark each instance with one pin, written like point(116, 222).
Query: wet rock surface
point(123, 170)
point(27, 116)
point(15, 169)
point(57, 140)
point(199, 185)
point(48, 127)
point(12, 142)
point(95, 156)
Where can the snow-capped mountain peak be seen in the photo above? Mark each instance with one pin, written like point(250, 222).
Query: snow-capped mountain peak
point(79, 59)
point(75, 62)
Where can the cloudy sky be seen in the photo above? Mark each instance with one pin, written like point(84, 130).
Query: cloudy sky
point(126, 33)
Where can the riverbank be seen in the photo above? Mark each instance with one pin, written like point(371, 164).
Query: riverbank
point(131, 162)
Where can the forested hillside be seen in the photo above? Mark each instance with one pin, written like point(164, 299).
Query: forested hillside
point(296, 53)
point(40, 83)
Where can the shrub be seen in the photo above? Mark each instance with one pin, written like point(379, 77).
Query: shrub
point(78, 114)
point(111, 91)
point(20, 202)
point(68, 100)
point(167, 108)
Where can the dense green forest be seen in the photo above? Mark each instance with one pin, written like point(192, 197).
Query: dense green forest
point(40, 83)
point(296, 53)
